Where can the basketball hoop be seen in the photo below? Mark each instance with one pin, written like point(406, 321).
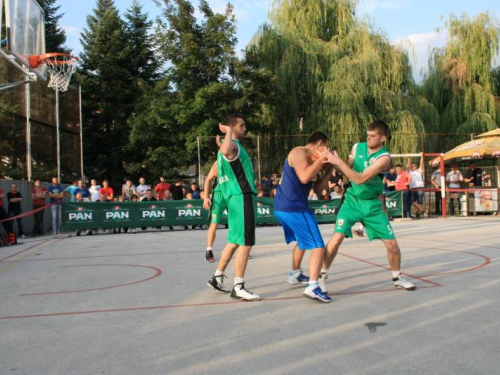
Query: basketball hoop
point(60, 66)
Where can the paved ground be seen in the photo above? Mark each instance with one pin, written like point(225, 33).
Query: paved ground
point(138, 304)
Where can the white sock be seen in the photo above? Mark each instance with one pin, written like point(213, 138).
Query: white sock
point(295, 272)
point(313, 284)
point(238, 280)
point(324, 271)
point(219, 272)
point(209, 248)
point(395, 274)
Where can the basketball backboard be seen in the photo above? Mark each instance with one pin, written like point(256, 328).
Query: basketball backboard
point(24, 25)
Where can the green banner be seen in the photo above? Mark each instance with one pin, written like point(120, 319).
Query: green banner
point(394, 203)
point(79, 216)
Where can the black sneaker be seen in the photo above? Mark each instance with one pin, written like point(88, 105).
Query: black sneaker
point(217, 283)
point(209, 256)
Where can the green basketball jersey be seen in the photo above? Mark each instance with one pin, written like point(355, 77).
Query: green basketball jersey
point(235, 176)
point(362, 159)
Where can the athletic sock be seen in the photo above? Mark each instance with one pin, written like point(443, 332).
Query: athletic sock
point(219, 272)
point(395, 274)
point(295, 272)
point(312, 284)
point(238, 280)
point(209, 248)
point(324, 271)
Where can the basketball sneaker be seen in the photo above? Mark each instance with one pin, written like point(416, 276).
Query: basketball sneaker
point(239, 292)
point(209, 256)
point(322, 282)
point(317, 294)
point(399, 282)
point(295, 278)
point(217, 283)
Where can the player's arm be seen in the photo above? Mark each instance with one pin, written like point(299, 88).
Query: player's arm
point(211, 175)
point(300, 162)
point(381, 165)
point(228, 148)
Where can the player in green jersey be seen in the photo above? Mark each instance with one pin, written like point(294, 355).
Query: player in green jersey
point(236, 183)
point(367, 163)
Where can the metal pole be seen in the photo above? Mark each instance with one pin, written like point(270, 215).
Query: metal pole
point(58, 137)
point(28, 131)
point(81, 130)
point(443, 186)
point(199, 161)
point(258, 156)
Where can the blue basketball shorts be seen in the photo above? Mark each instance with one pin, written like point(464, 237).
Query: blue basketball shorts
point(302, 228)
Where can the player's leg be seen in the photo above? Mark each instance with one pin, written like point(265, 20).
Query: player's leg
point(394, 257)
point(378, 227)
point(296, 276)
point(217, 280)
point(211, 233)
point(242, 219)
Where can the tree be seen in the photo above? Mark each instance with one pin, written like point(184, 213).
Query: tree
point(55, 36)
point(109, 93)
point(203, 83)
point(460, 81)
point(337, 74)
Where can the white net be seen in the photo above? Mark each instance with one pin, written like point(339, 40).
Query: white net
point(60, 68)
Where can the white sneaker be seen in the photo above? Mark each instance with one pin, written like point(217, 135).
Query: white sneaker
point(295, 278)
point(322, 282)
point(239, 292)
point(399, 282)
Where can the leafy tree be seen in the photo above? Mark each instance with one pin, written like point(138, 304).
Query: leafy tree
point(204, 81)
point(337, 74)
point(55, 36)
point(460, 82)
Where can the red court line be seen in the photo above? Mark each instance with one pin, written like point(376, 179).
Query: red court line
point(187, 305)
point(484, 264)
point(157, 274)
point(387, 268)
point(22, 251)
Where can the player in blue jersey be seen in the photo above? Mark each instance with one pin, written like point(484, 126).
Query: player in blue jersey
point(292, 211)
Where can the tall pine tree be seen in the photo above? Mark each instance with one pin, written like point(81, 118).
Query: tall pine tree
point(108, 91)
point(55, 36)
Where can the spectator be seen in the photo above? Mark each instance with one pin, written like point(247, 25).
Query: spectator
point(195, 191)
point(335, 179)
point(161, 188)
point(266, 185)
point(84, 191)
point(275, 180)
point(402, 182)
point(337, 192)
point(274, 191)
point(94, 191)
point(453, 179)
point(189, 197)
point(79, 198)
point(417, 182)
point(177, 191)
point(56, 194)
point(142, 188)
point(312, 195)
point(436, 183)
point(38, 195)
point(70, 190)
point(14, 208)
point(260, 193)
point(325, 196)
point(128, 191)
point(390, 179)
point(7, 225)
point(474, 176)
point(107, 191)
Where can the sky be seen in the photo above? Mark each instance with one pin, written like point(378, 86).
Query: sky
point(401, 20)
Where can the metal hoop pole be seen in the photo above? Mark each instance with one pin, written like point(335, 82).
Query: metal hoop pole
point(199, 160)
point(58, 137)
point(28, 131)
point(81, 129)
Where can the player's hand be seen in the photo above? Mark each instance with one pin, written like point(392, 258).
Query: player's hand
point(331, 158)
point(207, 203)
point(224, 128)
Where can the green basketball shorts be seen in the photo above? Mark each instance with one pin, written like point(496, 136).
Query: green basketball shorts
point(219, 205)
point(241, 211)
point(367, 211)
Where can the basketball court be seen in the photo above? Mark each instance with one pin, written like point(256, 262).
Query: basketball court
point(138, 304)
